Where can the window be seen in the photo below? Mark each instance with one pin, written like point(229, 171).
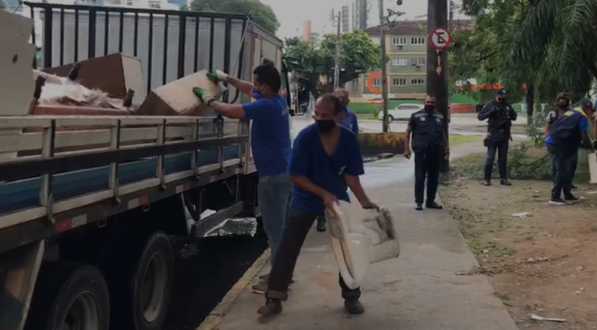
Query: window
point(155, 4)
point(399, 62)
point(129, 3)
point(417, 41)
point(418, 61)
point(398, 82)
point(377, 82)
point(417, 81)
point(398, 41)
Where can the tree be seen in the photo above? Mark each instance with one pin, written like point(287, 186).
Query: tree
point(358, 54)
point(261, 14)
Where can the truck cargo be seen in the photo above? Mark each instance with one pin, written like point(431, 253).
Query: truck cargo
point(90, 199)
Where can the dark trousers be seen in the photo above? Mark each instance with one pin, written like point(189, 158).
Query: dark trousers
point(573, 166)
point(295, 233)
point(501, 149)
point(563, 160)
point(427, 164)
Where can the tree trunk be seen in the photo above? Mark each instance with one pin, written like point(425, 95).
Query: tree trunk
point(530, 102)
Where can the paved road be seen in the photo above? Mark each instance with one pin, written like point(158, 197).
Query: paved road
point(417, 291)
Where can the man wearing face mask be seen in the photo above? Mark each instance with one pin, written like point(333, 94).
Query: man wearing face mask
point(428, 139)
point(326, 161)
point(563, 141)
point(346, 119)
point(270, 144)
point(500, 115)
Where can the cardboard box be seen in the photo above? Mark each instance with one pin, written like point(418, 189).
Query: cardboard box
point(113, 74)
point(177, 98)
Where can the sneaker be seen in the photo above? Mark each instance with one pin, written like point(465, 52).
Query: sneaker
point(321, 224)
point(419, 207)
point(433, 205)
point(571, 198)
point(557, 201)
point(573, 187)
point(486, 183)
point(505, 182)
point(353, 306)
point(260, 287)
point(271, 307)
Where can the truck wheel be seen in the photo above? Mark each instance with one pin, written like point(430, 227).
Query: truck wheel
point(151, 283)
point(69, 296)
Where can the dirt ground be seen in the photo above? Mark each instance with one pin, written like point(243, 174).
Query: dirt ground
point(543, 263)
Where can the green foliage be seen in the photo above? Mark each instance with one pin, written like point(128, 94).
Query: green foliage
point(358, 54)
point(262, 14)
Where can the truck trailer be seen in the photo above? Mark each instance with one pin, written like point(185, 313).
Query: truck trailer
point(89, 204)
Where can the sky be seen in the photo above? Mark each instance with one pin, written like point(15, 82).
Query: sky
point(292, 13)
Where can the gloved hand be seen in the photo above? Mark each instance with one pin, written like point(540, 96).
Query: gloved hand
point(217, 76)
point(203, 95)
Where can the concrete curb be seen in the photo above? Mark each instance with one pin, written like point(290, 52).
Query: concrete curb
point(215, 317)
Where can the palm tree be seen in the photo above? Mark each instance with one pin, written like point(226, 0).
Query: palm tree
point(557, 41)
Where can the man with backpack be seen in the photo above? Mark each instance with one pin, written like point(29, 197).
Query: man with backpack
point(564, 139)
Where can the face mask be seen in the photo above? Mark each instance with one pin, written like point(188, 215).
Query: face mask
point(563, 105)
point(501, 100)
point(257, 94)
point(429, 107)
point(325, 126)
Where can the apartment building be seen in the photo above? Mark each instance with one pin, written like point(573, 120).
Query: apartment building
point(406, 44)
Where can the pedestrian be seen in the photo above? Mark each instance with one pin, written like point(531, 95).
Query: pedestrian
point(270, 144)
point(326, 158)
point(563, 141)
point(429, 142)
point(346, 119)
point(500, 115)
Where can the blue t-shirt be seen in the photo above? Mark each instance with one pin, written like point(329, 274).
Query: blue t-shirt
point(583, 126)
point(350, 121)
point(270, 134)
point(327, 172)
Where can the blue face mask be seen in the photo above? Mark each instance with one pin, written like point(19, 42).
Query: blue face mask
point(257, 94)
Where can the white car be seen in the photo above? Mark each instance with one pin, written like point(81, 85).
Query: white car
point(402, 112)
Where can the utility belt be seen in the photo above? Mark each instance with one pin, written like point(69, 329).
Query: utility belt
point(497, 135)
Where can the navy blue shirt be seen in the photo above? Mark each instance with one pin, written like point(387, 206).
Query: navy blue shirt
point(327, 172)
point(270, 134)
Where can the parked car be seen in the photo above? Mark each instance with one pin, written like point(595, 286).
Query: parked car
point(401, 112)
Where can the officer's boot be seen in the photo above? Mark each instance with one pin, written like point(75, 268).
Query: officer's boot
point(505, 182)
point(487, 181)
point(271, 307)
point(353, 306)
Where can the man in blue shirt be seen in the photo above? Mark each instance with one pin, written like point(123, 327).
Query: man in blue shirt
point(565, 136)
point(270, 143)
point(346, 119)
point(326, 158)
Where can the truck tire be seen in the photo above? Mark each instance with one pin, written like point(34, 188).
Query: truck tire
point(151, 283)
point(69, 296)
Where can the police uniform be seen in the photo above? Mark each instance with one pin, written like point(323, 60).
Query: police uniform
point(427, 143)
point(500, 116)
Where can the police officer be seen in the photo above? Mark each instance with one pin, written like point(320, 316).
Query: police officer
point(563, 141)
point(500, 116)
point(428, 140)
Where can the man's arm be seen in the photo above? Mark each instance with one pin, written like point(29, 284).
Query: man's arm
point(511, 113)
point(583, 124)
point(298, 167)
point(244, 87)
point(548, 120)
point(353, 170)
point(407, 133)
point(486, 111)
point(250, 111)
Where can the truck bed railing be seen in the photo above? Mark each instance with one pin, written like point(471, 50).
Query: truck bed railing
point(171, 44)
point(115, 156)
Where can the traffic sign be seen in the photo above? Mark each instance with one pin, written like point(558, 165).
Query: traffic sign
point(440, 38)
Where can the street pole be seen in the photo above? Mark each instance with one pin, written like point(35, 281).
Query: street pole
point(384, 73)
point(437, 17)
point(337, 55)
point(450, 19)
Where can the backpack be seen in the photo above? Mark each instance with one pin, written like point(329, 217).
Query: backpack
point(565, 128)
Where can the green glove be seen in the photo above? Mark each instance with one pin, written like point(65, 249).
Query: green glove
point(203, 95)
point(213, 76)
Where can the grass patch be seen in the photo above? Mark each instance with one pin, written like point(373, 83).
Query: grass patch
point(456, 139)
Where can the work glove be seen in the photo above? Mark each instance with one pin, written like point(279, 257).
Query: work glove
point(203, 95)
point(217, 76)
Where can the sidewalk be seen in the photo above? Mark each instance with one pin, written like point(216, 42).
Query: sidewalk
point(417, 291)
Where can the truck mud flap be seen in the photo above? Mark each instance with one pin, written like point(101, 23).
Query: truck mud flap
point(18, 273)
